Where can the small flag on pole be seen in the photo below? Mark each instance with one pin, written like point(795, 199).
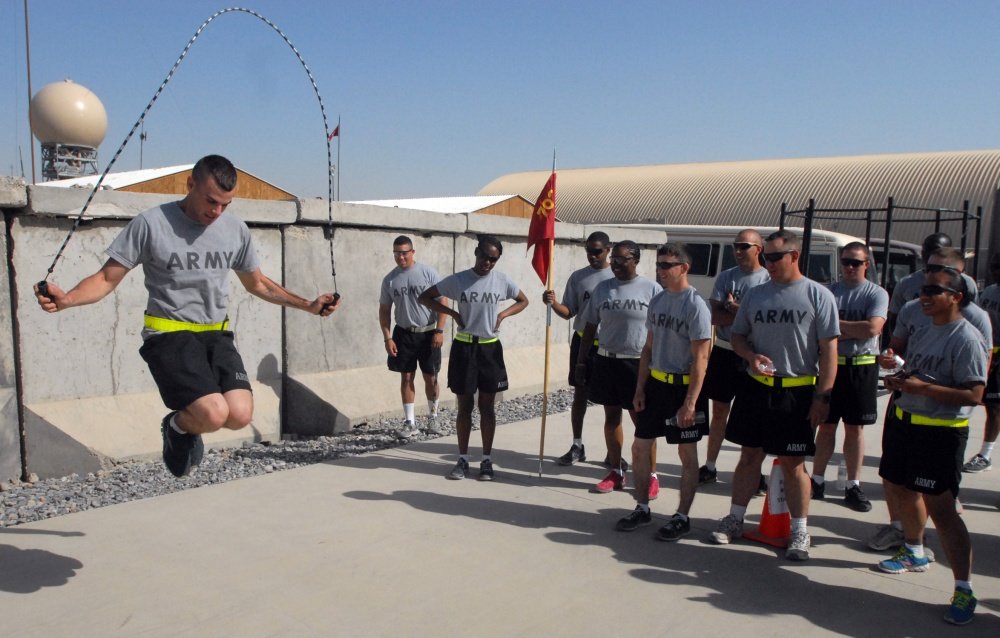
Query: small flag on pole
point(336, 132)
point(543, 228)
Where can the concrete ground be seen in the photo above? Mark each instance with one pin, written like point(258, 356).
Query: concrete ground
point(383, 545)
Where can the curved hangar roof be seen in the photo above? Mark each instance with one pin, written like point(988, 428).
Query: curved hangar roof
point(751, 193)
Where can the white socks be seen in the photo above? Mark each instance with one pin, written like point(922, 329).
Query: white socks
point(408, 412)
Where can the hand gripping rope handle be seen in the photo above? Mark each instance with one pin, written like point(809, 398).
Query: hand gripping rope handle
point(43, 285)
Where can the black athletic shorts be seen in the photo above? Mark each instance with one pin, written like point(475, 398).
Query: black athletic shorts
point(855, 395)
point(726, 371)
point(774, 419)
point(414, 348)
point(922, 458)
point(662, 402)
point(991, 395)
point(189, 365)
point(574, 351)
point(612, 381)
point(476, 366)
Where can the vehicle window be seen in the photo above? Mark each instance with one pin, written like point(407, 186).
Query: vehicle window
point(901, 264)
point(728, 260)
point(820, 268)
point(703, 258)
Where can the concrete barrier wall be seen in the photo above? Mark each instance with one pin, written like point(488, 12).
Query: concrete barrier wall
point(88, 397)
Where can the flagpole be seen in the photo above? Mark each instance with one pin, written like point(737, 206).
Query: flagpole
point(548, 338)
point(338, 158)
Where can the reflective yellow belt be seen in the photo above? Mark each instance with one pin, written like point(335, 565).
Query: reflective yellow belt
point(170, 325)
point(783, 382)
point(668, 377)
point(465, 337)
point(860, 360)
point(918, 419)
point(579, 333)
point(996, 349)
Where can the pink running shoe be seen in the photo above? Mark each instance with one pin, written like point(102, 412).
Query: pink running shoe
point(654, 487)
point(613, 481)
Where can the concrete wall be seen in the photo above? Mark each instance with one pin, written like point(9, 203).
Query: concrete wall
point(88, 397)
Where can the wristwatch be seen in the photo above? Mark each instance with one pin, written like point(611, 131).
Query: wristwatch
point(438, 331)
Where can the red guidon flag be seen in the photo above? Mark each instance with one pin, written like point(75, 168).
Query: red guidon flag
point(543, 228)
point(336, 133)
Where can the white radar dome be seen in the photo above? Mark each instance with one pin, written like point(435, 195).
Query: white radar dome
point(68, 113)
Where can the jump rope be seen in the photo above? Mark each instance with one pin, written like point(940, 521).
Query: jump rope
point(43, 284)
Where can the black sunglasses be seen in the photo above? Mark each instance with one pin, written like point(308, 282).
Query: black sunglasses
point(402, 252)
point(776, 257)
point(743, 245)
point(667, 265)
point(930, 290)
point(486, 257)
point(929, 268)
point(595, 251)
point(619, 260)
point(853, 263)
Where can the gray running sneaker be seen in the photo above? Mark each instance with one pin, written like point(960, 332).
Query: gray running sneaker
point(460, 471)
point(409, 429)
point(486, 470)
point(978, 463)
point(886, 537)
point(432, 427)
point(729, 528)
point(798, 545)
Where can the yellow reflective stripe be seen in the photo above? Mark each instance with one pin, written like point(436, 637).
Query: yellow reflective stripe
point(996, 349)
point(579, 333)
point(862, 360)
point(668, 377)
point(919, 419)
point(170, 325)
point(465, 337)
point(783, 382)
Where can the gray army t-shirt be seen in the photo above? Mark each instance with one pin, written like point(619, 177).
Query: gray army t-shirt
point(478, 299)
point(912, 320)
point(952, 355)
point(676, 319)
point(859, 302)
point(619, 309)
point(989, 301)
point(186, 265)
point(737, 283)
point(785, 323)
point(908, 289)
point(401, 287)
point(579, 291)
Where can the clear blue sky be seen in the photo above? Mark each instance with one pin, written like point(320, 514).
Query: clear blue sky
point(439, 97)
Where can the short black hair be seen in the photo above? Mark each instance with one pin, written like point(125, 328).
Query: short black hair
point(787, 237)
point(855, 245)
point(676, 250)
point(599, 236)
point(489, 240)
point(218, 168)
point(402, 240)
point(632, 247)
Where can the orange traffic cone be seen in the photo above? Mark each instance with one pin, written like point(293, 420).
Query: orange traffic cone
point(774, 529)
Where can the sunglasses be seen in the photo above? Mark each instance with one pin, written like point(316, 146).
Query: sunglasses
point(400, 253)
point(492, 260)
point(594, 252)
point(929, 268)
point(742, 245)
point(621, 261)
point(667, 265)
point(851, 263)
point(930, 290)
point(776, 257)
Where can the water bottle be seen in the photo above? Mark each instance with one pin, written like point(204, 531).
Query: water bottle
point(897, 360)
point(767, 368)
point(842, 476)
point(699, 418)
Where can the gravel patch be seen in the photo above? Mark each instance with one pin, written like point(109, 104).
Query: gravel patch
point(26, 502)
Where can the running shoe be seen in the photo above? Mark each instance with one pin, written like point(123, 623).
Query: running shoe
point(818, 489)
point(978, 463)
point(855, 498)
point(798, 545)
point(460, 471)
point(729, 528)
point(637, 518)
point(674, 529)
point(432, 426)
point(612, 482)
point(904, 561)
point(886, 537)
point(486, 470)
point(654, 487)
point(963, 604)
point(576, 454)
point(706, 475)
point(178, 448)
point(408, 429)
